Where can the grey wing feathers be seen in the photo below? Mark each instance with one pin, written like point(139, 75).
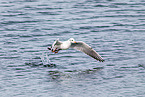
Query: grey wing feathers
point(81, 46)
point(57, 42)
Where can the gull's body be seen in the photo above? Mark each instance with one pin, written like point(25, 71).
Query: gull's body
point(81, 46)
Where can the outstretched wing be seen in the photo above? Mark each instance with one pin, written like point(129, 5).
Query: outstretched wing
point(81, 46)
point(57, 42)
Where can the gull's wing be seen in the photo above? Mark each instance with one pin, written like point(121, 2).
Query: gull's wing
point(81, 46)
point(57, 42)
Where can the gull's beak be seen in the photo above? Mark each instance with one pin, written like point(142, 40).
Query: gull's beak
point(75, 42)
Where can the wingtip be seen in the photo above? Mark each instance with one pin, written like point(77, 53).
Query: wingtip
point(102, 60)
point(49, 48)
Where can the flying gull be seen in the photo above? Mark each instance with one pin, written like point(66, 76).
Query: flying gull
point(79, 45)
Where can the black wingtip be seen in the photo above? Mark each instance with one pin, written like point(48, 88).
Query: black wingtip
point(102, 60)
point(49, 48)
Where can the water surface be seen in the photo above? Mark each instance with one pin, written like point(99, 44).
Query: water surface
point(114, 28)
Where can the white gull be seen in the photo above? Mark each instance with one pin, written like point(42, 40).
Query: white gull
point(79, 45)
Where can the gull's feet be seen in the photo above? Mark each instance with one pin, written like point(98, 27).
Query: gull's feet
point(55, 50)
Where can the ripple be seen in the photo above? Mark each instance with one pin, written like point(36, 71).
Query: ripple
point(9, 57)
point(100, 5)
point(93, 27)
point(17, 22)
point(141, 65)
point(10, 35)
point(114, 29)
point(37, 64)
point(117, 16)
point(48, 13)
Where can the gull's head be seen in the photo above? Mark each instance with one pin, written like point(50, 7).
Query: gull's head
point(72, 40)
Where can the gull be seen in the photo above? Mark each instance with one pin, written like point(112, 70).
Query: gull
point(79, 45)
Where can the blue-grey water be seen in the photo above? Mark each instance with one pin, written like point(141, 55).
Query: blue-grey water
point(114, 28)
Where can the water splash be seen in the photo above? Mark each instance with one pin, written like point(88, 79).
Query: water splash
point(45, 58)
point(44, 61)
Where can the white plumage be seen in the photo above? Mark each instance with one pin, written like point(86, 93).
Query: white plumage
point(81, 46)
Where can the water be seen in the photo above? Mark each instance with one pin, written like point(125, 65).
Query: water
point(45, 58)
point(114, 28)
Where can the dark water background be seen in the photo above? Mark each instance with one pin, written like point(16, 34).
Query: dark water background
point(114, 28)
